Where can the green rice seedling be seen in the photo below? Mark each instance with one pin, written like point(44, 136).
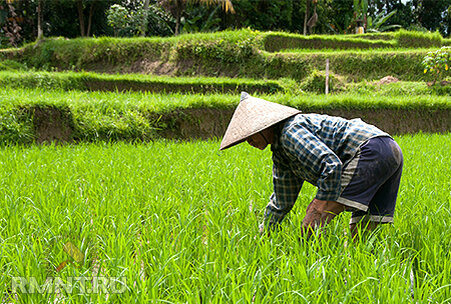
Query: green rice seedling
point(177, 222)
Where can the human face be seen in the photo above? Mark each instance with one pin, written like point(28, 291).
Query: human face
point(257, 141)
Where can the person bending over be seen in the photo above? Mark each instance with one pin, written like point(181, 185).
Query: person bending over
point(355, 166)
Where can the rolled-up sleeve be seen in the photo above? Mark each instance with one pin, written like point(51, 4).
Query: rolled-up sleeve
point(323, 165)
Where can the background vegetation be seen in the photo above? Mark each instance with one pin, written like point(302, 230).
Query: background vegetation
point(64, 81)
point(244, 53)
point(23, 21)
point(134, 116)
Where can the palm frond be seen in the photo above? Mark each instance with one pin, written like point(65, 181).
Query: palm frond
point(226, 4)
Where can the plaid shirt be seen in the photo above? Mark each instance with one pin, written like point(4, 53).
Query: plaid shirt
point(313, 148)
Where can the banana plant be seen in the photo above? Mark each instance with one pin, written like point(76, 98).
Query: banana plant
point(360, 9)
point(377, 25)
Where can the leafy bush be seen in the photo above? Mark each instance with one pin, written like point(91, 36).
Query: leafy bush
point(438, 63)
point(316, 82)
point(126, 22)
point(159, 22)
point(417, 28)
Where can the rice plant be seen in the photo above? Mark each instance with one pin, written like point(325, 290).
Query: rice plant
point(176, 222)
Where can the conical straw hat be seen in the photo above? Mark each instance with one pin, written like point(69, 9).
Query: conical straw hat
point(252, 116)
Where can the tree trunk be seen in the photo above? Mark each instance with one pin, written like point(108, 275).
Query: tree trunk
point(40, 20)
point(91, 10)
point(306, 16)
point(81, 17)
point(178, 17)
point(144, 24)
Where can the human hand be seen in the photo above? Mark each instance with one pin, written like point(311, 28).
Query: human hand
point(319, 213)
point(261, 230)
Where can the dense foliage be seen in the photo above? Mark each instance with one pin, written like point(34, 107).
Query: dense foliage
point(162, 18)
point(438, 62)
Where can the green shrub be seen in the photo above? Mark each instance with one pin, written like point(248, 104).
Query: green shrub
point(123, 21)
point(438, 63)
point(316, 82)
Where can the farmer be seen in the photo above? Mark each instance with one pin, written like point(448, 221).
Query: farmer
point(355, 166)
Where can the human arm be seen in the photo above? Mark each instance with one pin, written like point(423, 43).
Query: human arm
point(286, 190)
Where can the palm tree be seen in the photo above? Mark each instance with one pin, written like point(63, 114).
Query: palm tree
point(176, 7)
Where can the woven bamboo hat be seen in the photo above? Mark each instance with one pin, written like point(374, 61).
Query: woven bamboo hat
point(252, 116)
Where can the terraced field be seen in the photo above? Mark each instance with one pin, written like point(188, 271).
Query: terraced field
point(109, 194)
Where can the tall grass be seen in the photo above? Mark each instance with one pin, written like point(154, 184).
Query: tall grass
point(179, 221)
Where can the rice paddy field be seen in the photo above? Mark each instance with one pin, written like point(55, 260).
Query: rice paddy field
point(117, 214)
point(176, 222)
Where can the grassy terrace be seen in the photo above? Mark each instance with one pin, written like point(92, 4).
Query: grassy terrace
point(383, 51)
point(370, 98)
point(86, 81)
point(176, 79)
point(134, 115)
point(243, 54)
point(61, 88)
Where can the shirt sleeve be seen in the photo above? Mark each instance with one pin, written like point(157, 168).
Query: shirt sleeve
point(323, 164)
point(286, 191)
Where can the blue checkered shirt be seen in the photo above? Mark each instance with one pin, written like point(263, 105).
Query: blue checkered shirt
point(313, 148)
